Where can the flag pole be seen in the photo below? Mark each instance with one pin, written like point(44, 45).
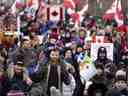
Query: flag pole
point(49, 2)
point(18, 25)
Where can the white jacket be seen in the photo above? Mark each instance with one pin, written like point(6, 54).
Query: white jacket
point(69, 89)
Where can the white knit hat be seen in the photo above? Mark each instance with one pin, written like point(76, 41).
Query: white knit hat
point(120, 73)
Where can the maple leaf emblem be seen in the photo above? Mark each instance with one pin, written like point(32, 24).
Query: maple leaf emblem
point(54, 13)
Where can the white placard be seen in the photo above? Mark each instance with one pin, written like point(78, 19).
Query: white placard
point(96, 46)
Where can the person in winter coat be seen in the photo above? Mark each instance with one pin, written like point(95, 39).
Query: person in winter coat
point(70, 60)
point(73, 68)
point(51, 44)
point(18, 78)
point(4, 82)
point(71, 65)
point(98, 86)
point(104, 61)
point(69, 89)
point(54, 73)
point(120, 87)
point(35, 73)
point(3, 57)
point(79, 50)
point(25, 49)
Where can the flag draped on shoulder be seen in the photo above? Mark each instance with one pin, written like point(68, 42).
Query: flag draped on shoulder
point(115, 12)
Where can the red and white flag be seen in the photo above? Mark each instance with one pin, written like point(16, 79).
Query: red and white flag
point(98, 39)
point(55, 13)
point(84, 9)
point(115, 12)
point(77, 17)
point(109, 14)
point(69, 4)
point(119, 17)
point(51, 12)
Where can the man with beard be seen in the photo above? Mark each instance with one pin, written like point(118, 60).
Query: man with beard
point(19, 81)
point(55, 73)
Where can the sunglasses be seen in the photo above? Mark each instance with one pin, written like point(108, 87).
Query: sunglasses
point(8, 34)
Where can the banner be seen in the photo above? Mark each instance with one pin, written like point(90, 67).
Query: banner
point(98, 39)
point(96, 46)
point(115, 12)
point(55, 13)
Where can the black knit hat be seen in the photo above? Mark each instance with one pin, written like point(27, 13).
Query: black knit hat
point(19, 60)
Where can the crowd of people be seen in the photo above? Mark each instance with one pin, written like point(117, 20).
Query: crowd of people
point(43, 59)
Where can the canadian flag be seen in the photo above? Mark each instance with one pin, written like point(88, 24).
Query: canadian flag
point(119, 17)
point(115, 12)
point(77, 16)
point(55, 13)
point(98, 39)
